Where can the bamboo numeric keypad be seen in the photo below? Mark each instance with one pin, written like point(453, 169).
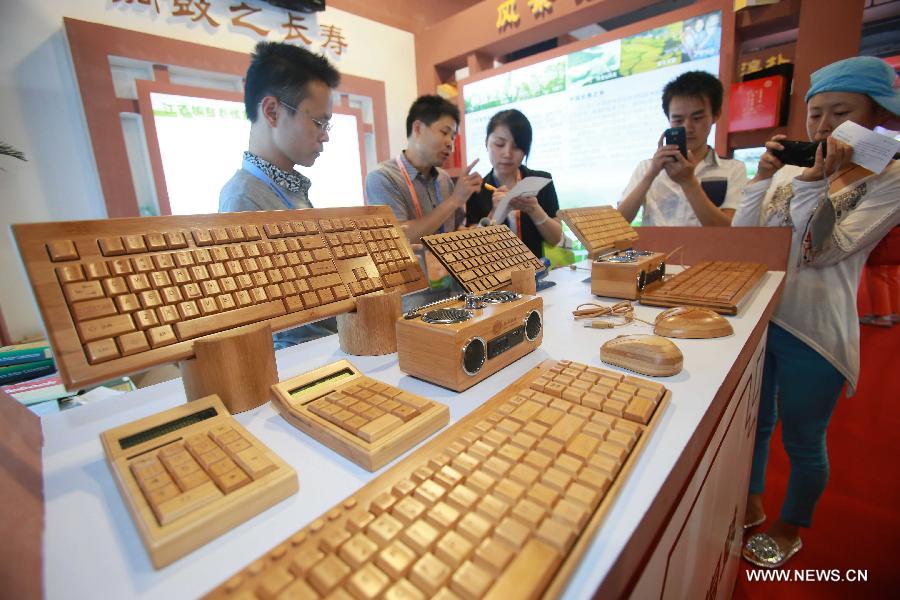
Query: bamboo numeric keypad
point(191, 473)
point(501, 505)
point(368, 422)
point(121, 295)
point(599, 228)
point(482, 258)
point(717, 285)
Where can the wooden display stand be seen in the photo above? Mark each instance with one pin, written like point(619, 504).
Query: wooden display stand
point(523, 282)
point(238, 366)
point(371, 330)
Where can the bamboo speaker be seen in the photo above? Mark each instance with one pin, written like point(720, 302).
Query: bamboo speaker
point(461, 341)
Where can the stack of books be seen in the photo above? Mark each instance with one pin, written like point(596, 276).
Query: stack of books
point(22, 362)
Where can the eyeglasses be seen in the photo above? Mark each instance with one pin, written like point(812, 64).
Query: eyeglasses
point(321, 124)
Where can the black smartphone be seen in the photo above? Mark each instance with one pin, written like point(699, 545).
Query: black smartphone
point(801, 154)
point(676, 136)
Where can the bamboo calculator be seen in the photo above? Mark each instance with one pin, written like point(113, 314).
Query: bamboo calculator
point(191, 473)
point(364, 420)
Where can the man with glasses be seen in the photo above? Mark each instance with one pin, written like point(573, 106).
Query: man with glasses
point(287, 96)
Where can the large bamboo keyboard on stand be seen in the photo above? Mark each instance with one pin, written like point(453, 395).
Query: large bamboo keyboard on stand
point(717, 285)
point(191, 473)
point(482, 258)
point(501, 505)
point(368, 422)
point(121, 295)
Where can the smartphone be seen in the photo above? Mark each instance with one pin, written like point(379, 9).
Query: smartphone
point(801, 154)
point(676, 136)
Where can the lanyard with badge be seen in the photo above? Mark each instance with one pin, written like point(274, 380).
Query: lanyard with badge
point(415, 197)
point(437, 274)
point(259, 174)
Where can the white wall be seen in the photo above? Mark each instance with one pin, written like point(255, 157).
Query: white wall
point(41, 112)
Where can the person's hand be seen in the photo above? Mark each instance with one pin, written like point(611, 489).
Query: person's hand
point(664, 155)
point(527, 204)
point(498, 195)
point(468, 183)
point(768, 162)
point(681, 170)
point(838, 156)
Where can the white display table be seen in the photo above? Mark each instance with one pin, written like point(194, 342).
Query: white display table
point(92, 549)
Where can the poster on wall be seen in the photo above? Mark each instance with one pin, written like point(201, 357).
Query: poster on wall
point(596, 112)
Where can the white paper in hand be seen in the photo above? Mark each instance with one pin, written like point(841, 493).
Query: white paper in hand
point(529, 186)
point(871, 150)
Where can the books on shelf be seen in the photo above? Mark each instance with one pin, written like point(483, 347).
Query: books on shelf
point(25, 353)
point(25, 371)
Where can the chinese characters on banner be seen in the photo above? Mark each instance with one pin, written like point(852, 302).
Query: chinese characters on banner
point(758, 64)
point(539, 7)
point(751, 62)
point(507, 14)
point(245, 15)
point(508, 11)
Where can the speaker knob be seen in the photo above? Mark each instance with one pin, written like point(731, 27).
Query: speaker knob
point(533, 325)
point(474, 353)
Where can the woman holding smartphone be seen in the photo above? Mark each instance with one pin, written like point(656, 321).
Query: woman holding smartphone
point(838, 212)
point(532, 218)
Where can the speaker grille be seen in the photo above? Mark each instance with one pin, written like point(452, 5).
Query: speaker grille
point(447, 315)
point(499, 297)
point(533, 325)
point(474, 354)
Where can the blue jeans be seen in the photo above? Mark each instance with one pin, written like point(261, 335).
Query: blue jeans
point(801, 388)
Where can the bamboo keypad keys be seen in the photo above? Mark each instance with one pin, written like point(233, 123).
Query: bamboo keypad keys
point(718, 285)
point(368, 422)
point(500, 505)
point(482, 258)
point(121, 295)
point(191, 473)
point(599, 228)
point(617, 270)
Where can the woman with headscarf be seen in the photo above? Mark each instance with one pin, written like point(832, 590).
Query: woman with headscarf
point(838, 212)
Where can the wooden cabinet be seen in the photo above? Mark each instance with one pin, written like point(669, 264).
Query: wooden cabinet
point(699, 551)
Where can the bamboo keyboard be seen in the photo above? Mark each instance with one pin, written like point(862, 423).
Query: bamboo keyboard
point(598, 228)
point(481, 258)
point(368, 422)
point(191, 473)
point(121, 295)
point(501, 505)
point(718, 285)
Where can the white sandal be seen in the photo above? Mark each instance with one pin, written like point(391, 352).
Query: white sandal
point(762, 551)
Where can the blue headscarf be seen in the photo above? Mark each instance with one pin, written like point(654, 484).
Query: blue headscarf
point(862, 75)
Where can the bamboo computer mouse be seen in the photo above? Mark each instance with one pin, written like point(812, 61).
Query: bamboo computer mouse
point(691, 322)
point(646, 354)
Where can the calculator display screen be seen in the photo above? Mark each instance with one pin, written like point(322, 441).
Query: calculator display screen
point(320, 384)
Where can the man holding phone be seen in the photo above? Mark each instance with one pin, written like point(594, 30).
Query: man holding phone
point(685, 183)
